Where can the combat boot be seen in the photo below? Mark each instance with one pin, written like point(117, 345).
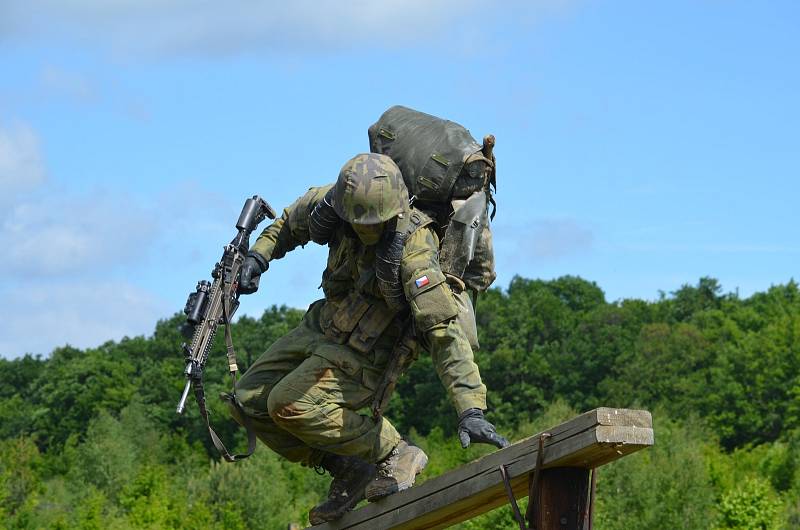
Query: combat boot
point(397, 471)
point(350, 477)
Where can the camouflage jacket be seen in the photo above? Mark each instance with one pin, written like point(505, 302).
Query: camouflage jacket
point(355, 312)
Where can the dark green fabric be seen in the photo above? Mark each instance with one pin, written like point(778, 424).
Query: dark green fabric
point(430, 151)
point(303, 395)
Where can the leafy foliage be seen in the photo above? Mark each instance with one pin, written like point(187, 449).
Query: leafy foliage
point(89, 438)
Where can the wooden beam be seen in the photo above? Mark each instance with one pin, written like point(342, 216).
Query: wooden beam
point(586, 441)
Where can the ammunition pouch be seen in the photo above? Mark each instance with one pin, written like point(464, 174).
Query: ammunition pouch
point(340, 319)
point(370, 327)
point(357, 321)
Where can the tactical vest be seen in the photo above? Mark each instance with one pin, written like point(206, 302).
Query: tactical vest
point(356, 311)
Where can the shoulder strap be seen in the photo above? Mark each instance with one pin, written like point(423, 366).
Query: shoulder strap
point(413, 221)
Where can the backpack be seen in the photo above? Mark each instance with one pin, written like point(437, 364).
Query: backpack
point(452, 178)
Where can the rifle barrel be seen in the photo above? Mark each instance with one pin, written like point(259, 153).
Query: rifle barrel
point(182, 402)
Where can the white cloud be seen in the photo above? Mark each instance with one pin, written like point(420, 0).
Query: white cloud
point(56, 234)
point(46, 232)
point(38, 318)
point(22, 166)
point(66, 253)
point(206, 26)
point(177, 27)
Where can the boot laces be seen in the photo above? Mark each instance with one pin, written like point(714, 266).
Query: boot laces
point(386, 466)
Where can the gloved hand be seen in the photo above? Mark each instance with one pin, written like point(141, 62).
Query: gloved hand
point(473, 427)
point(253, 267)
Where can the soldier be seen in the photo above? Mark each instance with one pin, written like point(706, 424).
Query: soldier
point(302, 396)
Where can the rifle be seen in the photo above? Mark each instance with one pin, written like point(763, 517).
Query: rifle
point(213, 304)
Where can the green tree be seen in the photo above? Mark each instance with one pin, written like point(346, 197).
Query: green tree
point(751, 506)
point(666, 486)
point(75, 387)
point(20, 481)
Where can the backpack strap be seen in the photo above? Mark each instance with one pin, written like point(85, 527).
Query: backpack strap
point(413, 221)
point(389, 254)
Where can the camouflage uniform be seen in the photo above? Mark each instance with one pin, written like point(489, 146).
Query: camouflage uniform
point(303, 395)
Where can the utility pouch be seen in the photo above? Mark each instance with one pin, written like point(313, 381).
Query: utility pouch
point(347, 314)
point(371, 326)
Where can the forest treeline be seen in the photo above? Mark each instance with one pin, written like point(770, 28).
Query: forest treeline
point(90, 438)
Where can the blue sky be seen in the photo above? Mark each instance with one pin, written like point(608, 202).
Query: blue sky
point(639, 145)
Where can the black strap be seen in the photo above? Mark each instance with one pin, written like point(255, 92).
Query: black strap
point(536, 481)
point(199, 392)
point(199, 395)
point(226, 312)
point(510, 492)
point(400, 358)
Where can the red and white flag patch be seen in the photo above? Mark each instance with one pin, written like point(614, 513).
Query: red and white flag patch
point(422, 281)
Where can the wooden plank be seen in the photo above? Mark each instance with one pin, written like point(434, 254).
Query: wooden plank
point(589, 440)
point(485, 491)
point(600, 446)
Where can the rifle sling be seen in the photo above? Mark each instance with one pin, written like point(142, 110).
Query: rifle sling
point(401, 357)
point(199, 393)
point(226, 316)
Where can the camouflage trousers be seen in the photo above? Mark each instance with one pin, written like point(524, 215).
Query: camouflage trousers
point(303, 398)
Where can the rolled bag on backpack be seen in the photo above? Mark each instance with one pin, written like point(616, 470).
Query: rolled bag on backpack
point(429, 151)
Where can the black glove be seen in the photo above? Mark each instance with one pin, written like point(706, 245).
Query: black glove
point(254, 265)
point(473, 427)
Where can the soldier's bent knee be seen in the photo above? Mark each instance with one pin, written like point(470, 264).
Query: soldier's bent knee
point(286, 406)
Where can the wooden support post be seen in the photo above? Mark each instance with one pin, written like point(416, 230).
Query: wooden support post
point(569, 452)
point(561, 500)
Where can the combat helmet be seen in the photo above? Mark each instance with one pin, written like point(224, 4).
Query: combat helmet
point(369, 190)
